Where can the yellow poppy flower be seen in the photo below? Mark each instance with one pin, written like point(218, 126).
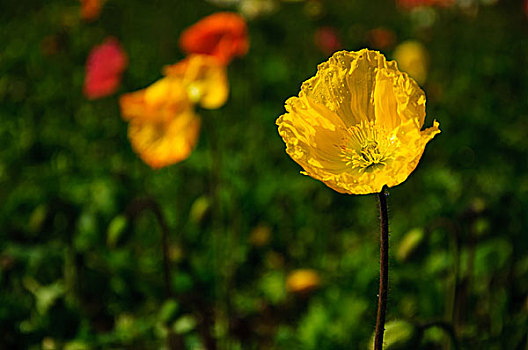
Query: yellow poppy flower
point(204, 79)
point(356, 125)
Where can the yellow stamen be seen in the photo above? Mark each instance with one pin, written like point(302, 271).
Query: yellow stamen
point(367, 146)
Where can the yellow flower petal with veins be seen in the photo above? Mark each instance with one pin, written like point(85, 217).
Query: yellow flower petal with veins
point(204, 78)
point(356, 125)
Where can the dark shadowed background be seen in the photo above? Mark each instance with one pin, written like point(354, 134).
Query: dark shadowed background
point(80, 243)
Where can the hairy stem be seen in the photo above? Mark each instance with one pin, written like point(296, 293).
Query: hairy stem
point(384, 270)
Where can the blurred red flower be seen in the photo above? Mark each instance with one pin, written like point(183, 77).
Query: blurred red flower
point(104, 67)
point(381, 38)
point(327, 40)
point(222, 35)
point(410, 4)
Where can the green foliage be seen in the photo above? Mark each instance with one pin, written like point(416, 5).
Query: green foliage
point(399, 335)
point(81, 262)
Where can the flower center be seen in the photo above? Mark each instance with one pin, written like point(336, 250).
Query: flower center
point(366, 146)
point(195, 92)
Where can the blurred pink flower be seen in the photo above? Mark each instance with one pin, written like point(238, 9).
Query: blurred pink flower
point(327, 40)
point(104, 67)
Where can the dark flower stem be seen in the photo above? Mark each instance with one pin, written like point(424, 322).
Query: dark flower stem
point(174, 341)
point(134, 210)
point(164, 248)
point(384, 270)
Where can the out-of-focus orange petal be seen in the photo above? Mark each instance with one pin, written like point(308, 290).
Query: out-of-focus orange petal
point(163, 127)
point(91, 9)
point(204, 79)
point(160, 102)
point(160, 144)
point(222, 35)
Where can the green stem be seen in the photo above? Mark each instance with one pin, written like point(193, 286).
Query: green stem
point(384, 270)
point(165, 248)
point(173, 341)
point(220, 238)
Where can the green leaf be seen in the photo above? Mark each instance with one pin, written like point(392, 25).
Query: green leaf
point(115, 230)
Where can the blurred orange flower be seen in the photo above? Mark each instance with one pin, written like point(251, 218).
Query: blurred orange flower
point(160, 102)
point(160, 144)
point(222, 35)
point(163, 128)
point(91, 9)
point(104, 67)
point(204, 79)
point(302, 280)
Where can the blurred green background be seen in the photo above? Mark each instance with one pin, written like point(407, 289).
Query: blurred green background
point(81, 263)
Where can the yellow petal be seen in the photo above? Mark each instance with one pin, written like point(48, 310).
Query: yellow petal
point(343, 85)
point(356, 125)
point(159, 102)
point(412, 58)
point(350, 85)
point(385, 103)
point(164, 143)
point(311, 144)
point(132, 105)
point(204, 79)
point(412, 142)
